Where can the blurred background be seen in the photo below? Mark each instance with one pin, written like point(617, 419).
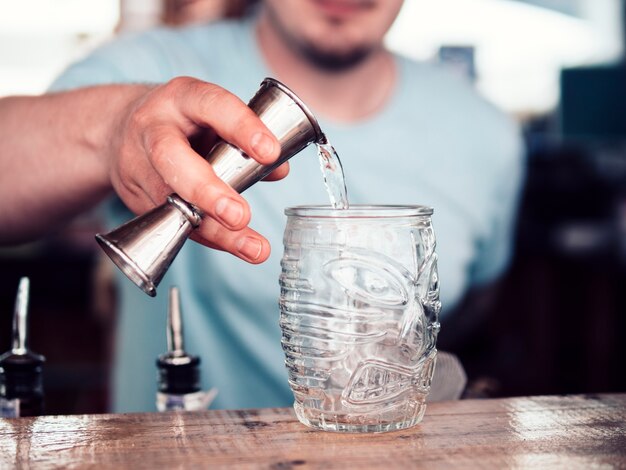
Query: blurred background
point(557, 66)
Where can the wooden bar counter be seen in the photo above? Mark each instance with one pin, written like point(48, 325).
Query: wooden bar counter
point(567, 432)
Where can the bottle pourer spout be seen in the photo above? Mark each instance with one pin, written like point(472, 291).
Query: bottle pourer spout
point(175, 342)
point(20, 345)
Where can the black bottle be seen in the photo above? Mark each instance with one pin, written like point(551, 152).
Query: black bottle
point(21, 384)
point(178, 372)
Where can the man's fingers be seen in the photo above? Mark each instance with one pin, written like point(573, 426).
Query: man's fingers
point(246, 244)
point(193, 179)
point(279, 173)
point(162, 126)
point(211, 106)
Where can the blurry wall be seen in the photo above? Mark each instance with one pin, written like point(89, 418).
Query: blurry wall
point(38, 38)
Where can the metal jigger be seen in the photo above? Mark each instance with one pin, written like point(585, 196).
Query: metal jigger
point(144, 247)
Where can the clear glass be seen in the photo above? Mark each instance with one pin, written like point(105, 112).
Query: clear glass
point(359, 306)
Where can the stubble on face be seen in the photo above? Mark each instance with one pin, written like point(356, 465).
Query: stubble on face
point(325, 60)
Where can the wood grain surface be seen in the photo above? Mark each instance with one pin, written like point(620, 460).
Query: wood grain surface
point(568, 432)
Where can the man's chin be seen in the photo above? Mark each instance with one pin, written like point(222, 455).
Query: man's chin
point(335, 62)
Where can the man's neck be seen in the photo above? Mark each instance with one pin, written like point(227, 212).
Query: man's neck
point(343, 96)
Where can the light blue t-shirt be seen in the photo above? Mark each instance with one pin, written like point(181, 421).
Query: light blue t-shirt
point(436, 143)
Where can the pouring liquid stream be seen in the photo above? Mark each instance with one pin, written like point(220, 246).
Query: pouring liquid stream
point(332, 171)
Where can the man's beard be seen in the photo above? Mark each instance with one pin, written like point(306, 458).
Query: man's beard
point(328, 61)
point(332, 61)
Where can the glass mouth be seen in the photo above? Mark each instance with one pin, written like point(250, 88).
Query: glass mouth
point(359, 211)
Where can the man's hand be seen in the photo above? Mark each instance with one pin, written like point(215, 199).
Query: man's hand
point(150, 157)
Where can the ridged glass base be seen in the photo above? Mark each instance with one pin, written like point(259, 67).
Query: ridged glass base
point(403, 418)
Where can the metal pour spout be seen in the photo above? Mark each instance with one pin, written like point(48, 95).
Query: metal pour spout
point(144, 247)
point(178, 372)
point(175, 341)
point(20, 316)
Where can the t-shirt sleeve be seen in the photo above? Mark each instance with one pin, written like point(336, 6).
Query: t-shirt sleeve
point(88, 72)
point(129, 59)
point(496, 247)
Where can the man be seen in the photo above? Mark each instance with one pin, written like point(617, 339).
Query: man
point(406, 133)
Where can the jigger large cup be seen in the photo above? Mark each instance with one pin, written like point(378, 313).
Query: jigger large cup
point(144, 247)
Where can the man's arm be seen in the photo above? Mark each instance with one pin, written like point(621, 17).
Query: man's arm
point(62, 153)
point(52, 165)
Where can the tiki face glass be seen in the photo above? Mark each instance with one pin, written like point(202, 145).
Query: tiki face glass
point(359, 307)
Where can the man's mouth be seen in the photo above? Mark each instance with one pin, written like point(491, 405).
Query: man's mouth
point(343, 8)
